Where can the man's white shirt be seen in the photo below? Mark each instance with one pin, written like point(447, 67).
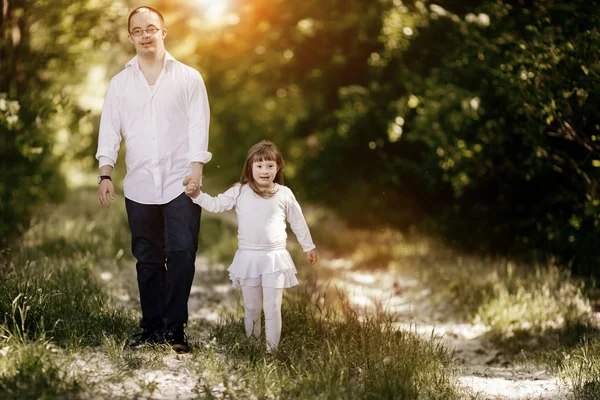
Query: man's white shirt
point(165, 129)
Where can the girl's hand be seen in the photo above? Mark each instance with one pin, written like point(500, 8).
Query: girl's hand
point(192, 189)
point(312, 255)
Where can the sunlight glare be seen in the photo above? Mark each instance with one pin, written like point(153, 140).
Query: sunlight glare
point(106, 276)
point(362, 278)
point(360, 300)
point(214, 10)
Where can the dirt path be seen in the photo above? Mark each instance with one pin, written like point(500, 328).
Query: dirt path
point(166, 375)
point(484, 372)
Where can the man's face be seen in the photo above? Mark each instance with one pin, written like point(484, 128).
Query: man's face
point(147, 43)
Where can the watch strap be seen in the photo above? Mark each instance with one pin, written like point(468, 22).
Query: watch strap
point(103, 177)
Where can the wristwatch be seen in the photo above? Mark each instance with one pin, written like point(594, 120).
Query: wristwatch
point(103, 177)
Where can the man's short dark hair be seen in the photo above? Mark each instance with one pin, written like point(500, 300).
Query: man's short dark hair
point(145, 9)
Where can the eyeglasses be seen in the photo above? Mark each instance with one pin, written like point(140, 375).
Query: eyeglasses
point(140, 32)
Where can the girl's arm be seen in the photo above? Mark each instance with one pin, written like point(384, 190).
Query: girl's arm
point(223, 202)
point(297, 222)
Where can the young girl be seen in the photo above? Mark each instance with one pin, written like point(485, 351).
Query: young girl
point(262, 266)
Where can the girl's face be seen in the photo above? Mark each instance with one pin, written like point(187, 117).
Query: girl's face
point(263, 173)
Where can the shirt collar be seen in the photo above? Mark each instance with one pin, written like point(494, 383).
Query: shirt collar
point(134, 63)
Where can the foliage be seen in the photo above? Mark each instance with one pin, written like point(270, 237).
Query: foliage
point(271, 70)
point(473, 120)
point(45, 51)
point(484, 122)
point(508, 120)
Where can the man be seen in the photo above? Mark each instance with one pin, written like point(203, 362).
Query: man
point(159, 106)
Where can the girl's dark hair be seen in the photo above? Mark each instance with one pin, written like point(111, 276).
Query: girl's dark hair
point(262, 151)
point(145, 9)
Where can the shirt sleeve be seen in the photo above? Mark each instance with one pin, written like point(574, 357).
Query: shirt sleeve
point(223, 202)
point(297, 222)
point(109, 135)
point(198, 121)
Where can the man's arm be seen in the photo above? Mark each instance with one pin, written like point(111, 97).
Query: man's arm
point(109, 135)
point(197, 168)
point(109, 141)
point(199, 118)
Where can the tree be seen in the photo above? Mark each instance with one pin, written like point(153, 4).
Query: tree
point(45, 50)
point(484, 122)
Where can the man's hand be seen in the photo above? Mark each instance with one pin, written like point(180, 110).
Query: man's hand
point(192, 187)
point(312, 255)
point(106, 191)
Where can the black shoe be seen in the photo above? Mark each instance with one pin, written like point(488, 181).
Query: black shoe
point(147, 336)
point(177, 340)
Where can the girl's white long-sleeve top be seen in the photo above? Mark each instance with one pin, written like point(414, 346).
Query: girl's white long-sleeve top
point(261, 222)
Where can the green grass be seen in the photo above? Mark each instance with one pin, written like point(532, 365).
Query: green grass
point(61, 300)
point(537, 313)
point(52, 300)
point(580, 367)
point(56, 308)
point(51, 286)
point(509, 298)
point(528, 310)
point(326, 353)
point(513, 300)
point(35, 370)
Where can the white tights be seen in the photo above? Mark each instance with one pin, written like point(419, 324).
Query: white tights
point(253, 305)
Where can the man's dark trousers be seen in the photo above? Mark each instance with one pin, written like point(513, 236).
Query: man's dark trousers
point(164, 240)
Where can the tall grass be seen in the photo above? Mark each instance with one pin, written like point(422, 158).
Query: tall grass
point(524, 308)
point(540, 315)
point(35, 370)
point(511, 299)
point(51, 286)
point(60, 299)
point(537, 313)
point(52, 301)
point(53, 304)
point(326, 352)
point(581, 368)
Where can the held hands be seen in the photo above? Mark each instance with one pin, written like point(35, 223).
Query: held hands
point(192, 188)
point(312, 255)
point(106, 191)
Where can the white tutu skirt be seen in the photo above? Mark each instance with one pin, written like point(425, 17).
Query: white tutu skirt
point(274, 268)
